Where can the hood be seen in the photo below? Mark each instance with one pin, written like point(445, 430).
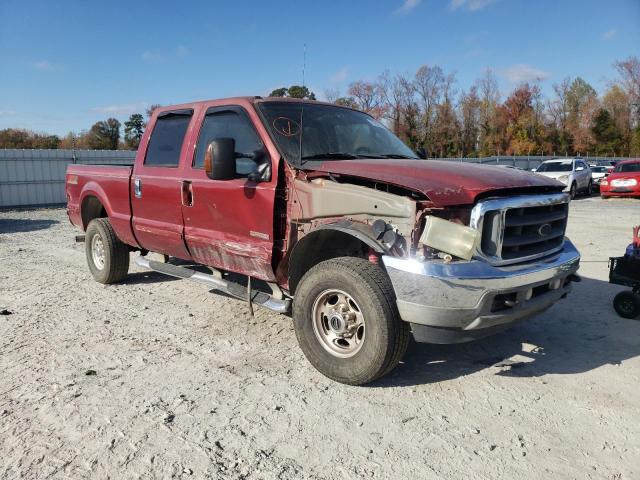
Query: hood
point(443, 182)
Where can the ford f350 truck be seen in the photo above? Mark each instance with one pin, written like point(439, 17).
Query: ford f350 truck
point(319, 210)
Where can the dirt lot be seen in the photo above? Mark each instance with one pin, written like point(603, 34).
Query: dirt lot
point(158, 378)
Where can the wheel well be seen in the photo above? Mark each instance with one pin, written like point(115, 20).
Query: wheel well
point(319, 246)
point(91, 208)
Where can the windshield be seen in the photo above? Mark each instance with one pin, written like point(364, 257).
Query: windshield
point(329, 132)
point(627, 167)
point(555, 167)
point(599, 169)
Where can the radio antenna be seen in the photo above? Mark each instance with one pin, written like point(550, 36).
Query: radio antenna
point(304, 61)
point(304, 66)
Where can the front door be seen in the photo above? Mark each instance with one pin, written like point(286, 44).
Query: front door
point(228, 224)
point(157, 187)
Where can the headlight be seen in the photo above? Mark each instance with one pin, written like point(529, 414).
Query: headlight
point(563, 178)
point(624, 182)
point(450, 237)
point(604, 182)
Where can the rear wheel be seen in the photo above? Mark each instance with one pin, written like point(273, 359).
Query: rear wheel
point(347, 322)
point(627, 304)
point(107, 256)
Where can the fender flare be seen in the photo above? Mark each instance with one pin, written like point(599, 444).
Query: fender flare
point(93, 189)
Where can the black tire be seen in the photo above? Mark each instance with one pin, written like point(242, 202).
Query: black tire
point(589, 190)
point(385, 337)
point(573, 190)
point(627, 304)
point(115, 253)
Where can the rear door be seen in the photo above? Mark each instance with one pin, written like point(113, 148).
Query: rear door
point(156, 186)
point(228, 224)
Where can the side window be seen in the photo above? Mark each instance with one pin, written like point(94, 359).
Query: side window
point(229, 124)
point(166, 140)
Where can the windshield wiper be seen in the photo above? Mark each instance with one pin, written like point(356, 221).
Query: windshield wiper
point(330, 155)
point(395, 155)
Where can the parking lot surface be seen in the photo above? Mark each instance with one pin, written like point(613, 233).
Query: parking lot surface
point(159, 378)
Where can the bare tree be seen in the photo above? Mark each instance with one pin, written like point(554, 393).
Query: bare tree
point(367, 97)
point(429, 83)
point(489, 99)
point(392, 93)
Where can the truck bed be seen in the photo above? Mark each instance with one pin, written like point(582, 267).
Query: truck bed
point(110, 185)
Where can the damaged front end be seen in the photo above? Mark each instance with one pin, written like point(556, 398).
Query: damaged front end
point(445, 264)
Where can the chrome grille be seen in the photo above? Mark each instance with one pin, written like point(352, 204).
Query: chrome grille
point(516, 229)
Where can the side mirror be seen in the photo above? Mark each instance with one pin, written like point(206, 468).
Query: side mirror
point(220, 159)
point(579, 169)
point(421, 152)
point(534, 169)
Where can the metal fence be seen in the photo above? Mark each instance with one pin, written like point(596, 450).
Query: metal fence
point(36, 177)
point(529, 162)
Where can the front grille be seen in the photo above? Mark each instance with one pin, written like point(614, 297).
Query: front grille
point(520, 228)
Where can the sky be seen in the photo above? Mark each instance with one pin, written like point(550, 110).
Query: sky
point(67, 64)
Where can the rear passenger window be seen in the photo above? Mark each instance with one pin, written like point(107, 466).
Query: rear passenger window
point(166, 140)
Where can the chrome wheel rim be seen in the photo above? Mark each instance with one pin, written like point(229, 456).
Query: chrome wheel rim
point(97, 252)
point(338, 323)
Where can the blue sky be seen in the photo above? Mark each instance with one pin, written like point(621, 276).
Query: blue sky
point(66, 64)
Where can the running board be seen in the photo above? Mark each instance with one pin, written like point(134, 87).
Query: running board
point(234, 289)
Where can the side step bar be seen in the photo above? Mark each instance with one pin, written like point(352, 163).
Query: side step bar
point(230, 288)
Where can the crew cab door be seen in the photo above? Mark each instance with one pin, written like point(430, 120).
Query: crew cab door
point(157, 186)
point(228, 224)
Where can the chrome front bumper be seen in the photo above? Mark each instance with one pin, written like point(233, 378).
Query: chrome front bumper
point(462, 301)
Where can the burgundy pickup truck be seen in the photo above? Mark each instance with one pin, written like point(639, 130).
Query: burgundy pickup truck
point(320, 210)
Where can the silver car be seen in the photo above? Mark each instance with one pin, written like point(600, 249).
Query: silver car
point(573, 172)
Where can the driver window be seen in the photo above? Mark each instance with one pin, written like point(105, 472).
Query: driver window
point(229, 124)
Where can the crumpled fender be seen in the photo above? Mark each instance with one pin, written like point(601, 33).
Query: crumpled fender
point(299, 259)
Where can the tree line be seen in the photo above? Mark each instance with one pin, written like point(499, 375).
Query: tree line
point(428, 111)
point(103, 135)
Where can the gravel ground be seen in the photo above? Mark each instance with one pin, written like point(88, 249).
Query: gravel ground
point(159, 378)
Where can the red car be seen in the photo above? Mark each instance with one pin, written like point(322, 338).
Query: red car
point(624, 181)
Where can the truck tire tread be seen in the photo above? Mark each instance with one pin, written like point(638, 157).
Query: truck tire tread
point(395, 333)
point(116, 252)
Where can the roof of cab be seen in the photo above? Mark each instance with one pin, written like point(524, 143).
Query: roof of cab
point(250, 99)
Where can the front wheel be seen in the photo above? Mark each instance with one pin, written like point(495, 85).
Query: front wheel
point(573, 190)
point(627, 304)
point(347, 322)
point(107, 256)
point(589, 191)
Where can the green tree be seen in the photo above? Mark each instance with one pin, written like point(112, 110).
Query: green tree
point(133, 130)
point(294, 91)
point(280, 92)
point(104, 135)
point(607, 136)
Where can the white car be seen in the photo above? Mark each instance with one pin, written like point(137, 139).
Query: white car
point(573, 172)
point(598, 173)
